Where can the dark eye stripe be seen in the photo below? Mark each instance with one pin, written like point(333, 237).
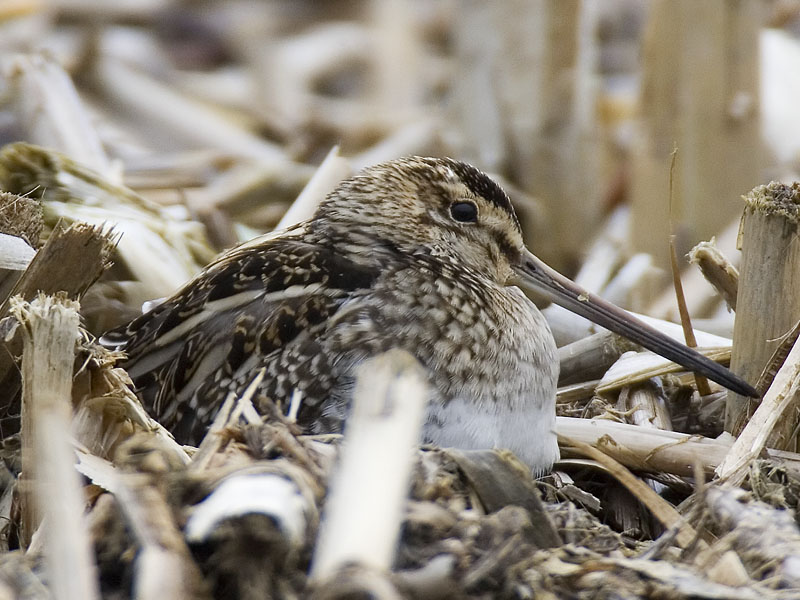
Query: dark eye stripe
point(464, 212)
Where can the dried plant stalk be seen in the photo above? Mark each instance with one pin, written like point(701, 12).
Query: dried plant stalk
point(647, 406)
point(332, 170)
point(634, 280)
point(661, 509)
point(590, 357)
point(717, 269)
point(86, 250)
point(365, 508)
point(776, 361)
point(48, 108)
point(170, 114)
point(686, 322)
point(159, 249)
point(635, 367)
point(784, 391)
point(21, 216)
point(107, 413)
point(164, 564)
point(15, 253)
point(517, 100)
point(701, 300)
point(768, 304)
point(50, 331)
point(656, 450)
point(20, 225)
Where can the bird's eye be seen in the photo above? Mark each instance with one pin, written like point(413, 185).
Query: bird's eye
point(464, 212)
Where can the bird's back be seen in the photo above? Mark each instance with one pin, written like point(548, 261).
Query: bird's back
point(261, 306)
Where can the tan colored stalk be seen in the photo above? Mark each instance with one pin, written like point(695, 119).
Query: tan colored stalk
point(768, 303)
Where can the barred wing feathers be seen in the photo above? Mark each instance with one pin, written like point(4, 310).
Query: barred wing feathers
point(254, 307)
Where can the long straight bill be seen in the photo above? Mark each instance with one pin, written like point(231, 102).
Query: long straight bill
point(534, 273)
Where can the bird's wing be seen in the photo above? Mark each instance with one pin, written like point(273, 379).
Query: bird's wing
point(252, 302)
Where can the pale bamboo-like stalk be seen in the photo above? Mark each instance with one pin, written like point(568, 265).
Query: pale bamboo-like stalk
point(603, 257)
point(285, 74)
point(49, 327)
point(15, 253)
point(647, 405)
point(525, 101)
point(86, 249)
point(635, 367)
point(606, 252)
point(364, 511)
point(159, 249)
point(625, 288)
point(768, 303)
point(168, 112)
point(333, 169)
point(48, 108)
point(164, 566)
point(397, 55)
point(656, 450)
point(567, 327)
point(777, 359)
point(418, 137)
point(784, 391)
point(644, 405)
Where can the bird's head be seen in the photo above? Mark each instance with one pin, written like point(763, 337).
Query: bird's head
point(437, 206)
point(450, 209)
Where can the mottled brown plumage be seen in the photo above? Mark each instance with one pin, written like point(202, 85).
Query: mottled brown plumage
point(415, 253)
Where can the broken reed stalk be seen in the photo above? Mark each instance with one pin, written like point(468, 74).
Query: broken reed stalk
point(721, 273)
point(86, 249)
point(50, 486)
point(701, 300)
point(784, 391)
point(655, 450)
point(647, 406)
point(768, 302)
point(20, 226)
point(777, 359)
point(590, 357)
point(368, 493)
point(333, 169)
point(51, 114)
point(167, 112)
point(164, 564)
point(518, 100)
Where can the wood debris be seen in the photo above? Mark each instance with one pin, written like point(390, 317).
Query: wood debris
point(139, 139)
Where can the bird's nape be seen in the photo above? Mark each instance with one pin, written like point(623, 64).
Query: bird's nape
point(534, 273)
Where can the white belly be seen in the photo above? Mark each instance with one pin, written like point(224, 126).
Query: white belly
point(528, 430)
